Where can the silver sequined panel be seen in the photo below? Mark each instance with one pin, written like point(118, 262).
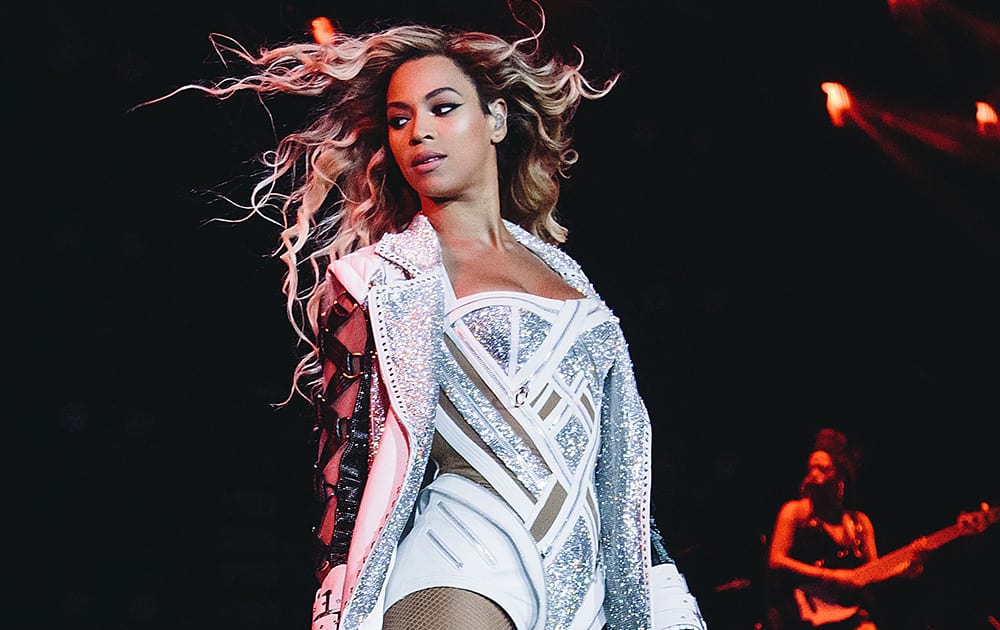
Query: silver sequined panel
point(405, 320)
point(533, 331)
point(622, 487)
point(568, 574)
point(491, 327)
point(573, 440)
point(592, 356)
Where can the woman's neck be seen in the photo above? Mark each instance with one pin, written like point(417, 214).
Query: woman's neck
point(466, 225)
point(828, 512)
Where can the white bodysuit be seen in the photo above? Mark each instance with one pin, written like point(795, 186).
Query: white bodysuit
point(512, 513)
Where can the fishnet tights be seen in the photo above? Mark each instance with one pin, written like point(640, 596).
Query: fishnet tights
point(445, 608)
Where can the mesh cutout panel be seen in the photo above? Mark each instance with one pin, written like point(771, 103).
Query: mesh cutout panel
point(445, 608)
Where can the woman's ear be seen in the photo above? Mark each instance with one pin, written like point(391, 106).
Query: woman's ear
point(498, 109)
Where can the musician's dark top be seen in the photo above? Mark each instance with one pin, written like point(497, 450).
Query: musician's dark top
point(815, 544)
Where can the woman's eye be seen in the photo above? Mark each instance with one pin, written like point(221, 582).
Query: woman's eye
point(397, 122)
point(444, 108)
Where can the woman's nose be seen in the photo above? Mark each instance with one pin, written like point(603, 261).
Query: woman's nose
point(421, 128)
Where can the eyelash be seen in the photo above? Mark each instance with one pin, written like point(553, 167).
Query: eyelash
point(441, 109)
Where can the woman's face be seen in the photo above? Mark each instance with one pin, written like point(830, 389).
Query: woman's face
point(438, 134)
point(821, 469)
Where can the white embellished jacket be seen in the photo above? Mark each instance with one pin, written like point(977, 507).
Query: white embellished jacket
point(399, 281)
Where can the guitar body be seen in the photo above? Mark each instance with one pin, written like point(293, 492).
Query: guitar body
point(797, 605)
point(820, 604)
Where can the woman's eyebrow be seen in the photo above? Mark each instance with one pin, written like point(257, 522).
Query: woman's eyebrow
point(439, 90)
point(427, 97)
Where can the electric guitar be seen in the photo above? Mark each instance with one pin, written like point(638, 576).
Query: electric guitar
point(818, 601)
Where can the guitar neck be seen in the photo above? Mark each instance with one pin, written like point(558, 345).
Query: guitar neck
point(886, 566)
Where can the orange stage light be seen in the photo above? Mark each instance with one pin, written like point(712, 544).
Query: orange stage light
point(322, 30)
point(837, 101)
point(986, 117)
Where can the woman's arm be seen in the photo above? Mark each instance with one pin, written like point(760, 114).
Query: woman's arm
point(867, 537)
point(342, 426)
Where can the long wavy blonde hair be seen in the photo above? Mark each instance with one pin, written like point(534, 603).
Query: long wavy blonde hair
point(346, 190)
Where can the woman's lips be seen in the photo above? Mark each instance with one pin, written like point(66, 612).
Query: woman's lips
point(426, 162)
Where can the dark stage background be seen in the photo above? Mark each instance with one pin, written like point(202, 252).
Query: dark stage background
point(774, 274)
